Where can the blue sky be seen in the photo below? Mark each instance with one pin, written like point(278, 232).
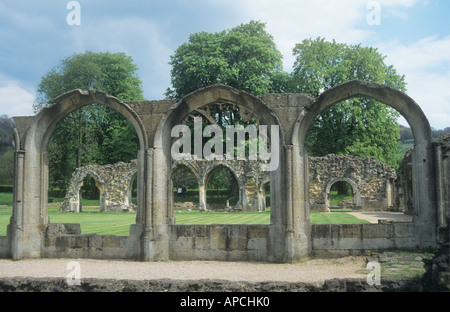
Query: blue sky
point(35, 36)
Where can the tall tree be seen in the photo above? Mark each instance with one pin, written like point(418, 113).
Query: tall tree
point(94, 134)
point(244, 57)
point(359, 126)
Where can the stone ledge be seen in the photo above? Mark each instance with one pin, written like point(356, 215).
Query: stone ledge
point(20, 284)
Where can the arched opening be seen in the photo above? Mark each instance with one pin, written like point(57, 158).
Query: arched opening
point(222, 190)
point(222, 106)
point(185, 194)
point(30, 212)
point(422, 158)
point(341, 196)
point(357, 149)
point(8, 144)
point(97, 138)
point(90, 195)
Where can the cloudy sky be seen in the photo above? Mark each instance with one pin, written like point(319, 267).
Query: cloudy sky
point(35, 36)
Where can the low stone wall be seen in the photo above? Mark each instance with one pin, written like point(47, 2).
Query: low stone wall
point(194, 286)
point(227, 242)
point(4, 247)
point(219, 242)
point(336, 240)
point(66, 241)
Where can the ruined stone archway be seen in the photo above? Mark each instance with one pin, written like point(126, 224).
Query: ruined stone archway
point(423, 171)
point(356, 195)
point(196, 172)
point(114, 181)
point(237, 178)
point(155, 236)
point(30, 216)
point(72, 201)
point(370, 179)
point(248, 105)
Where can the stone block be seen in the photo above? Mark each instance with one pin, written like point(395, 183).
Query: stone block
point(403, 230)
point(377, 243)
point(257, 231)
point(350, 231)
point(110, 241)
point(57, 229)
point(257, 244)
point(320, 231)
point(350, 243)
point(378, 231)
point(95, 241)
point(405, 242)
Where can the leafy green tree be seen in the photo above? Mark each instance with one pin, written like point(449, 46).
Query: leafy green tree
point(94, 134)
point(360, 126)
point(244, 57)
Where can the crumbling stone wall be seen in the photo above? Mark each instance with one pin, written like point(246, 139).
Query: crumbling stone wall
point(372, 181)
point(113, 181)
point(442, 151)
point(404, 184)
point(289, 235)
point(250, 178)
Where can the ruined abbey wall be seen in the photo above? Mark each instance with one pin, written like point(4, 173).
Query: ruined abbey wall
point(372, 182)
point(114, 183)
point(155, 236)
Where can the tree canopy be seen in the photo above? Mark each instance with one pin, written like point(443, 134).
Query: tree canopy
point(244, 57)
point(360, 126)
point(94, 134)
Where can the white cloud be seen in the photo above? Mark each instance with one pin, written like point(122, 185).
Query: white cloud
point(137, 37)
point(425, 63)
point(15, 99)
point(426, 66)
point(291, 21)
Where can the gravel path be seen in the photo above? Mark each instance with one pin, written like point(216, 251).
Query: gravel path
point(314, 271)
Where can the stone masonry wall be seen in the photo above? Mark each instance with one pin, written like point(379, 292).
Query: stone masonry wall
point(113, 181)
point(371, 180)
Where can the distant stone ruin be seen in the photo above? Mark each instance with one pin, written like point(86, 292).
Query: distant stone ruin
point(373, 183)
point(114, 183)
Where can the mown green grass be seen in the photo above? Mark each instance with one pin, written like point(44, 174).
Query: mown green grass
point(105, 223)
point(196, 217)
point(94, 222)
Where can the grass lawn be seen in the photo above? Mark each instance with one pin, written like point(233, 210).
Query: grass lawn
point(94, 222)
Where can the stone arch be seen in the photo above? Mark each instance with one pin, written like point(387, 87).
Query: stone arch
point(130, 187)
point(176, 165)
point(195, 171)
point(210, 171)
point(30, 216)
point(72, 201)
point(161, 144)
point(423, 159)
point(356, 194)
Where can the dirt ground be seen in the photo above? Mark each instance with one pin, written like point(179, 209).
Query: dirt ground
point(316, 270)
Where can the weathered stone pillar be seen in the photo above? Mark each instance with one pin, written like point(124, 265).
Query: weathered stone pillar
point(297, 188)
point(156, 228)
point(424, 192)
point(27, 222)
point(202, 205)
point(442, 177)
